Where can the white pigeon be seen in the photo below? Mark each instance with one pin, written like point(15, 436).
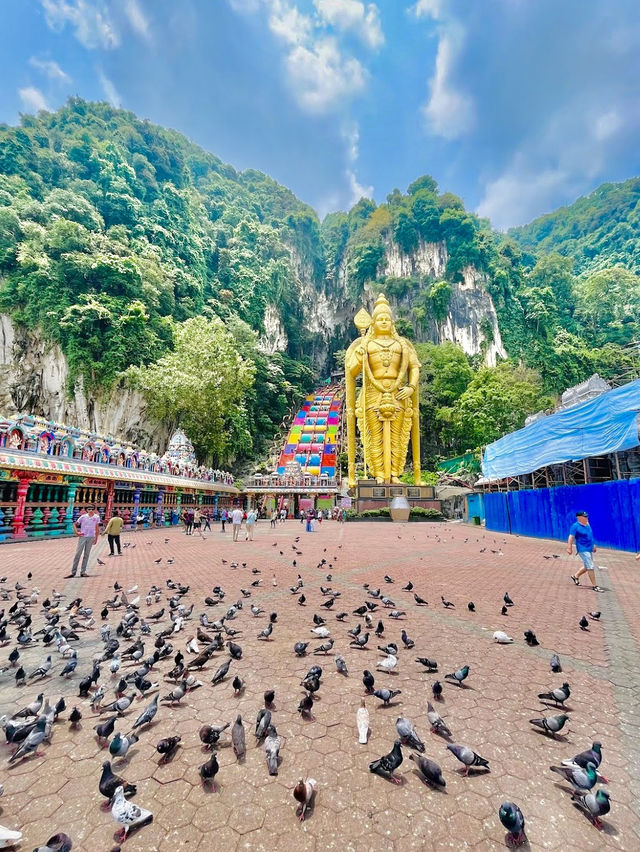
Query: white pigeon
point(132, 590)
point(303, 792)
point(8, 837)
point(114, 665)
point(388, 664)
point(362, 721)
point(135, 602)
point(322, 631)
point(192, 646)
point(501, 638)
point(128, 814)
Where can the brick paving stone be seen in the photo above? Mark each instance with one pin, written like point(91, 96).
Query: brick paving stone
point(355, 810)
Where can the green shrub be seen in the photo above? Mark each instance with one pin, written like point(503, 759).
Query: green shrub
point(427, 514)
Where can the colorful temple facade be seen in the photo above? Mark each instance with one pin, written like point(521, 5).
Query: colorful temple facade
point(49, 472)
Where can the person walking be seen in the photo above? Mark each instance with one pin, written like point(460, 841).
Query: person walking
point(236, 521)
point(582, 534)
point(87, 529)
point(188, 521)
point(274, 518)
point(112, 532)
point(224, 517)
point(252, 517)
point(197, 522)
point(206, 521)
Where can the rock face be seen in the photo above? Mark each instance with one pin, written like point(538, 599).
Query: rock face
point(34, 379)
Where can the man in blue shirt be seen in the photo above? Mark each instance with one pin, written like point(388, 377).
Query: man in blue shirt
point(582, 534)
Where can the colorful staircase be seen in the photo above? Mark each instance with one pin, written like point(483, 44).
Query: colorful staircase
point(314, 434)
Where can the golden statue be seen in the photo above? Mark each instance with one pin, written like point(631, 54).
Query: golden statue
point(387, 405)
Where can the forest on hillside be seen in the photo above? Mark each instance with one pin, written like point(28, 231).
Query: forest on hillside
point(150, 261)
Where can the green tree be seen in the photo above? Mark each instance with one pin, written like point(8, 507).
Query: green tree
point(608, 305)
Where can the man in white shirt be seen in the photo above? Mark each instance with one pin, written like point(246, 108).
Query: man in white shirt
point(87, 529)
point(236, 520)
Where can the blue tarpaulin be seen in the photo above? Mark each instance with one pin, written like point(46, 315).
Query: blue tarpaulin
point(594, 428)
point(613, 507)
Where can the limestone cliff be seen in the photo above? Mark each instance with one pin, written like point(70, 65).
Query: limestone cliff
point(34, 379)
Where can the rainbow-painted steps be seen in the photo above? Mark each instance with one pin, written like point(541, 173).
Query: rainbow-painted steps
point(313, 437)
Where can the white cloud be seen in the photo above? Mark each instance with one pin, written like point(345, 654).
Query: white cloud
point(429, 9)
point(608, 125)
point(137, 20)
point(109, 89)
point(289, 24)
point(321, 77)
point(353, 15)
point(50, 69)
point(449, 112)
point(351, 135)
point(90, 20)
point(32, 99)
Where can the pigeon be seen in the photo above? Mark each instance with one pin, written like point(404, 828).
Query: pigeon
point(176, 695)
point(420, 601)
point(592, 755)
point(32, 741)
point(408, 735)
point(120, 745)
point(595, 615)
point(368, 680)
point(263, 721)
point(43, 670)
point(209, 770)
point(504, 611)
point(109, 782)
point(389, 648)
point(430, 665)
point(388, 579)
point(512, 819)
point(210, 734)
point(306, 705)
point(238, 739)
point(459, 675)
point(235, 651)
point(120, 705)
point(406, 641)
point(321, 632)
point(447, 604)
point(300, 649)
point(471, 606)
point(303, 793)
point(429, 770)
point(272, 745)
point(584, 625)
point(436, 689)
point(324, 648)
point(436, 721)
point(388, 664)
point(221, 673)
point(360, 641)
point(341, 664)
point(127, 814)
point(386, 765)
point(167, 746)
point(594, 805)
point(57, 843)
point(530, 638)
point(551, 724)
point(362, 723)
point(468, 757)
point(397, 613)
point(386, 695)
point(105, 729)
point(507, 600)
point(502, 638)
point(581, 779)
point(555, 664)
point(408, 587)
point(266, 633)
point(238, 685)
point(558, 695)
point(75, 717)
point(269, 696)
point(147, 715)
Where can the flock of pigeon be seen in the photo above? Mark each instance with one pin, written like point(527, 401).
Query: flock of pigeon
point(155, 647)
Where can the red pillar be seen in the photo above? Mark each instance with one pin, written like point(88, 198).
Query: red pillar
point(18, 517)
point(111, 486)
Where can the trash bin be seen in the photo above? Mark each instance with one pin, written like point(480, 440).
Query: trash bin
point(476, 520)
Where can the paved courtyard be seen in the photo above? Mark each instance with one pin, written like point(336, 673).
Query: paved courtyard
point(354, 809)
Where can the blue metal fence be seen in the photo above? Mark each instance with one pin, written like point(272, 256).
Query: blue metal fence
point(613, 507)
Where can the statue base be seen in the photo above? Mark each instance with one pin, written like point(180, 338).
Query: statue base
point(370, 495)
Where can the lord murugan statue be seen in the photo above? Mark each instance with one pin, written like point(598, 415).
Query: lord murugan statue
point(386, 407)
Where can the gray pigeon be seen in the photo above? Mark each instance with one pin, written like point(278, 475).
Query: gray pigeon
point(262, 723)
point(559, 695)
point(429, 770)
point(580, 779)
point(220, 675)
point(57, 843)
point(468, 757)
point(237, 739)
point(147, 714)
point(32, 741)
point(408, 735)
point(594, 805)
point(436, 721)
point(272, 745)
point(341, 664)
point(550, 724)
point(386, 695)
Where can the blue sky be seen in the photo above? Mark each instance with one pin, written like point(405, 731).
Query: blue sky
point(518, 106)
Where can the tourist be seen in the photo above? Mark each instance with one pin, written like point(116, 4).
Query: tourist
point(251, 522)
point(223, 518)
point(112, 532)
point(582, 534)
point(205, 519)
point(188, 521)
point(87, 528)
point(197, 522)
point(310, 516)
point(236, 521)
point(274, 518)
point(283, 515)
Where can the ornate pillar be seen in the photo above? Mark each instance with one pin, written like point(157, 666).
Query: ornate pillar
point(71, 496)
point(178, 505)
point(24, 480)
point(159, 515)
point(111, 487)
point(136, 506)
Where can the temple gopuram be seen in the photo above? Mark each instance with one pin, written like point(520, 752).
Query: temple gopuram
point(49, 472)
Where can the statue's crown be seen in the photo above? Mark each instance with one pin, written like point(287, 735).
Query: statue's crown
point(382, 303)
